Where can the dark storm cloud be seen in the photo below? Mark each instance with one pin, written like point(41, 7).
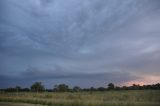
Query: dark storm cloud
point(79, 38)
point(32, 75)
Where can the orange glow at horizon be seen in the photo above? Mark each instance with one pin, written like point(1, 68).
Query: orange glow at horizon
point(144, 81)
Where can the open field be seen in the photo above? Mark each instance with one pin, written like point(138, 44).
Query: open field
point(17, 104)
point(107, 98)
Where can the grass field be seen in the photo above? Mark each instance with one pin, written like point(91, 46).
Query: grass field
point(107, 98)
point(17, 104)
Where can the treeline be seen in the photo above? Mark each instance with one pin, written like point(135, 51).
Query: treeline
point(38, 87)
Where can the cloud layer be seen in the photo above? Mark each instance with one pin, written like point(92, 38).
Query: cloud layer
point(72, 41)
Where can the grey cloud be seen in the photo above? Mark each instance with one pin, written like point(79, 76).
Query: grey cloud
point(54, 77)
point(58, 73)
point(33, 29)
point(79, 37)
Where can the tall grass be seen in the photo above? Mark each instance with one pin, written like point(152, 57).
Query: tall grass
point(108, 98)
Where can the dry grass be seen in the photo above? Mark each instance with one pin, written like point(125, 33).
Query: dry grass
point(108, 98)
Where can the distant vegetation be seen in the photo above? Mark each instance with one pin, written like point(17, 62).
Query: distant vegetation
point(38, 87)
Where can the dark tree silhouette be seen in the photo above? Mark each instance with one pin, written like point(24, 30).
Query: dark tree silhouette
point(18, 88)
point(110, 86)
point(76, 89)
point(101, 89)
point(61, 88)
point(135, 87)
point(37, 87)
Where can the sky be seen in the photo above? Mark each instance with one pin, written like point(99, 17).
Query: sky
point(79, 42)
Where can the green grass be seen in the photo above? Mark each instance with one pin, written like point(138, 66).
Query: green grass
point(108, 98)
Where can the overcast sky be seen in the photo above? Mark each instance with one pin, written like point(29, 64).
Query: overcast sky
point(79, 42)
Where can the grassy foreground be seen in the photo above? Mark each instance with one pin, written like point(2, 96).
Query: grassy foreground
point(17, 104)
point(108, 98)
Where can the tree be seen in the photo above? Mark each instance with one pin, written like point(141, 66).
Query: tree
point(76, 89)
point(18, 88)
point(135, 87)
point(61, 88)
point(37, 87)
point(101, 89)
point(110, 86)
point(55, 88)
point(25, 89)
point(92, 89)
